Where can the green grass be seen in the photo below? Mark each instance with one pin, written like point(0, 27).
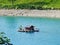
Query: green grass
point(30, 4)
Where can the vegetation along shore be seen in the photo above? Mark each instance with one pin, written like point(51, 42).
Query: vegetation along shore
point(30, 4)
point(34, 8)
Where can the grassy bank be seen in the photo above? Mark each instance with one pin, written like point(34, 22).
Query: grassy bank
point(30, 4)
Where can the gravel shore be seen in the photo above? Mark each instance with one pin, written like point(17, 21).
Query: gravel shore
point(31, 13)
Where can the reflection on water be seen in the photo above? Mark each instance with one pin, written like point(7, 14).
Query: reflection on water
point(49, 30)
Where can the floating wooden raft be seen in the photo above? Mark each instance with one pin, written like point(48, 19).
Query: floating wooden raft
point(28, 31)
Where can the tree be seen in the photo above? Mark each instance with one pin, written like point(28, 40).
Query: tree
point(53, 1)
point(4, 39)
point(12, 2)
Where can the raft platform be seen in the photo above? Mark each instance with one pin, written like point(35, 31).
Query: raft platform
point(28, 31)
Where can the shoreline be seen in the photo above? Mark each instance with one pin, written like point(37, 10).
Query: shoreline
point(30, 13)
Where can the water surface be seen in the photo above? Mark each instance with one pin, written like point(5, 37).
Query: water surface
point(49, 30)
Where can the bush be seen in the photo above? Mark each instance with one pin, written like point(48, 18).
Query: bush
point(4, 39)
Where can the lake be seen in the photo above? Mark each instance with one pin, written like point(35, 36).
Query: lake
point(49, 30)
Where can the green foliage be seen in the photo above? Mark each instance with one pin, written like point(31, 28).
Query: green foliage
point(3, 38)
point(12, 1)
point(29, 4)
